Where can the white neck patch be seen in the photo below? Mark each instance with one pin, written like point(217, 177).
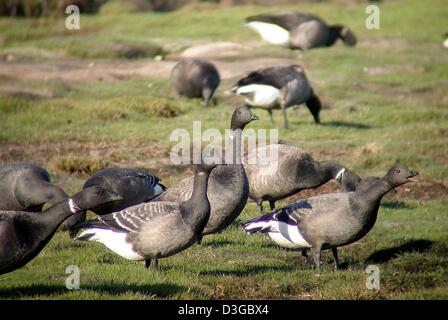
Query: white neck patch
point(340, 174)
point(74, 208)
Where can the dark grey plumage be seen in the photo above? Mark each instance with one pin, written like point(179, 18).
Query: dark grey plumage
point(331, 220)
point(195, 79)
point(23, 234)
point(288, 171)
point(278, 88)
point(305, 30)
point(228, 187)
point(154, 230)
point(27, 187)
point(135, 185)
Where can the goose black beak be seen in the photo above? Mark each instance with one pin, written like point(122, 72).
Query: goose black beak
point(412, 176)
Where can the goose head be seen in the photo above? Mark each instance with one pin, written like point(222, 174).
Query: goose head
point(92, 197)
point(241, 117)
point(400, 174)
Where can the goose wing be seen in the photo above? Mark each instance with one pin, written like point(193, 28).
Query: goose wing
point(177, 193)
point(286, 20)
point(276, 77)
point(133, 218)
point(317, 207)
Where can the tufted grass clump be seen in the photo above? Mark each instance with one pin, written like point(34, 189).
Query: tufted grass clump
point(152, 107)
point(13, 104)
point(79, 165)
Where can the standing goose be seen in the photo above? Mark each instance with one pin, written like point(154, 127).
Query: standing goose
point(278, 88)
point(135, 185)
point(289, 171)
point(331, 220)
point(23, 234)
point(27, 187)
point(154, 230)
point(228, 188)
point(195, 79)
point(299, 30)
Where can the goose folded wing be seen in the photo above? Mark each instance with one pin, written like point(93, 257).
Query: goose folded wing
point(319, 205)
point(177, 193)
point(132, 218)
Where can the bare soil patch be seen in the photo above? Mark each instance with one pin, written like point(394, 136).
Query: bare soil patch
point(114, 70)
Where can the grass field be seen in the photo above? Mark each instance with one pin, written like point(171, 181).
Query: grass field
point(385, 101)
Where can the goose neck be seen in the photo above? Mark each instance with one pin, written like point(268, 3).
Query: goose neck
point(235, 137)
point(58, 213)
point(377, 191)
point(197, 208)
point(331, 170)
point(333, 34)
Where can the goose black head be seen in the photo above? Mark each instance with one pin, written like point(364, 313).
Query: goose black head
point(92, 197)
point(347, 36)
point(241, 117)
point(400, 174)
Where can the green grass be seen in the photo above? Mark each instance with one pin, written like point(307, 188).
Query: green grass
point(385, 100)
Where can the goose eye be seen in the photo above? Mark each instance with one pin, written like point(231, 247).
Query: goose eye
point(398, 171)
point(98, 192)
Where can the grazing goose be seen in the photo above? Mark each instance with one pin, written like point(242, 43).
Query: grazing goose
point(278, 88)
point(135, 185)
point(228, 188)
point(154, 230)
point(293, 170)
point(23, 234)
point(27, 187)
point(299, 30)
point(331, 220)
point(195, 79)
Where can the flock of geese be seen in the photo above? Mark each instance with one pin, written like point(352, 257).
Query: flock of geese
point(140, 219)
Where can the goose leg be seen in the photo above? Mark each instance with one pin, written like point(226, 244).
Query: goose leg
point(315, 251)
point(336, 259)
point(200, 239)
point(305, 255)
point(206, 96)
point(260, 207)
point(285, 123)
point(155, 264)
point(272, 204)
point(270, 115)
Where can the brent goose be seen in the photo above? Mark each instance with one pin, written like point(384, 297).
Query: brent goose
point(135, 185)
point(23, 234)
point(331, 220)
point(154, 230)
point(228, 188)
point(195, 79)
point(298, 30)
point(278, 88)
point(291, 171)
